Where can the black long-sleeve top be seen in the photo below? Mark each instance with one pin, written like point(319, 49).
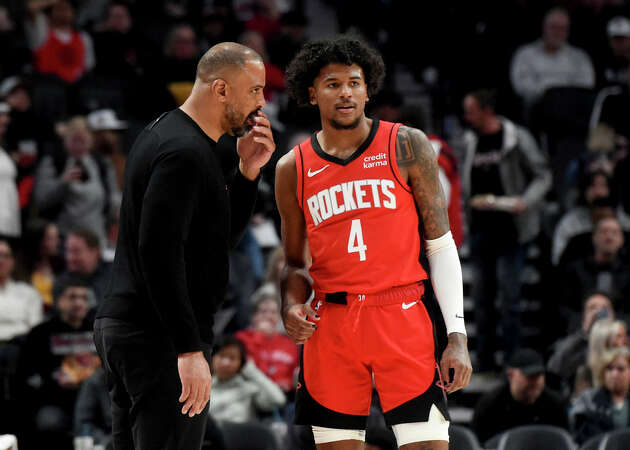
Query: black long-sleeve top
point(179, 216)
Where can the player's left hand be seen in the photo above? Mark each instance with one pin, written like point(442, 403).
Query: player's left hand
point(256, 147)
point(456, 357)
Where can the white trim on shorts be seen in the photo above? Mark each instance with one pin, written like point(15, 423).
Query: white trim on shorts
point(434, 429)
point(324, 435)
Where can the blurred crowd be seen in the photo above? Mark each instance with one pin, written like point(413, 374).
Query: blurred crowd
point(526, 104)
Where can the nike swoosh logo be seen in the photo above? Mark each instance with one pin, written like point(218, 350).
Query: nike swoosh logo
point(458, 316)
point(408, 305)
point(315, 172)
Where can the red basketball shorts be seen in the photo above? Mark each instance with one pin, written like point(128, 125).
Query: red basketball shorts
point(381, 341)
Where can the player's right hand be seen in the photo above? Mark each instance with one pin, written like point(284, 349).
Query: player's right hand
point(194, 373)
point(298, 322)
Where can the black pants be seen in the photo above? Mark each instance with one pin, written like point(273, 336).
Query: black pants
point(144, 387)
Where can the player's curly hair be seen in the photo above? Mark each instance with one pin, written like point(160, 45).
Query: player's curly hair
point(343, 49)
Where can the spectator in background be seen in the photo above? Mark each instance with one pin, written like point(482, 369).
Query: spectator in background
point(57, 356)
point(605, 408)
point(523, 400)
point(605, 335)
point(107, 128)
point(265, 19)
point(273, 272)
point(273, 352)
point(451, 186)
point(550, 61)
point(571, 351)
point(274, 76)
point(125, 54)
point(615, 109)
point(504, 179)
point(20, 305)
point(595, 200)
point(93, 410)
point(41, 259)
point(615, 70)
point(27, 134)
point(10, 225)
point(601, 269)
point(76, 187)
point(116, 43)
point(58, 47)
point(239, 389)
point(181, 53)
point(83, 260)
point(15, 55)
point(219, 25)
point(289, 39)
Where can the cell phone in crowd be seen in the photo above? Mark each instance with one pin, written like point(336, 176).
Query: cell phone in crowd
point(85, 176)
point(604, 313)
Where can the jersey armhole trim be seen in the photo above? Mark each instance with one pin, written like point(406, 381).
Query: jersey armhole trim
point(393, 164)
point(299, 166)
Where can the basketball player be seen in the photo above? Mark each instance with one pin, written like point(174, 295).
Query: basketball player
point(358, 190)
point(178, 217)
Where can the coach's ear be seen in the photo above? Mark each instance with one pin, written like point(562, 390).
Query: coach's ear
point(219, 89)
point(311, 96)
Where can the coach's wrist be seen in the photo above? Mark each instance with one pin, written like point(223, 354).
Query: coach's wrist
point(251, 173)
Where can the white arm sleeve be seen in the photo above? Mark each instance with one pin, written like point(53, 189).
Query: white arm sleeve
point(446, 278)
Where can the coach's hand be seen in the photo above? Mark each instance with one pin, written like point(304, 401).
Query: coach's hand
point(296, 324)
point(456, 357)
point(194, 374)
point(256, 147)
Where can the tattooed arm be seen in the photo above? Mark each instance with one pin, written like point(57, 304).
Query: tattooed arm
point(417, 162)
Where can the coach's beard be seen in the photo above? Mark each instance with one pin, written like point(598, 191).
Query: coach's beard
point(245, 127)
point(340, 126)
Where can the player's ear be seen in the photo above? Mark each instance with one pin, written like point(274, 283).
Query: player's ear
point(219, 89)
point(311, 96)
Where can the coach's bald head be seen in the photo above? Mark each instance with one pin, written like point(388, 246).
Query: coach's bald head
point(223, 58)
point(228, 90)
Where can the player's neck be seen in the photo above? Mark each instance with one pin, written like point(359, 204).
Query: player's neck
point(342, 143)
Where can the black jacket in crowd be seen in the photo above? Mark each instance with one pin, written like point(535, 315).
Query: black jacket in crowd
point(497, 411)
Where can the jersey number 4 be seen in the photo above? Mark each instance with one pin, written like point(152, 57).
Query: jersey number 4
point(355, 241)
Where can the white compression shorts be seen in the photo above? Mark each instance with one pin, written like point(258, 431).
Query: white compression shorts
point(434, 429)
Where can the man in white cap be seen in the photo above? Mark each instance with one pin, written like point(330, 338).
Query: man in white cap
point(615, 70)
point(107, 127)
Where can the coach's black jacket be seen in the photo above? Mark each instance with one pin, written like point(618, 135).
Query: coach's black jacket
point(179, 216)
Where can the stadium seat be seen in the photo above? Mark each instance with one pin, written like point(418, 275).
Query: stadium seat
point(462, 438)
point(561, 119)
point(616, 440)
point(248, 436)
point(539, 437)
point(594, 442)
point(493, 442)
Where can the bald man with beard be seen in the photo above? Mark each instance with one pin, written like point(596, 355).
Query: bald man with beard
point(179, 216)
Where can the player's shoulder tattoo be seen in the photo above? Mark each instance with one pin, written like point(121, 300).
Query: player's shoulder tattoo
point(413, 148)
point(415, 153)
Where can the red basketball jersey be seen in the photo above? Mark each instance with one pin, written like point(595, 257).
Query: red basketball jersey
point(361, 218)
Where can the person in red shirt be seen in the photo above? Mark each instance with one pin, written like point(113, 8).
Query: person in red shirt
point(359, 190)
point(274, 353)
point(58, 47)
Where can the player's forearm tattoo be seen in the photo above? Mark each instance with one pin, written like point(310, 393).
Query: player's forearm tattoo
point(415, 154)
